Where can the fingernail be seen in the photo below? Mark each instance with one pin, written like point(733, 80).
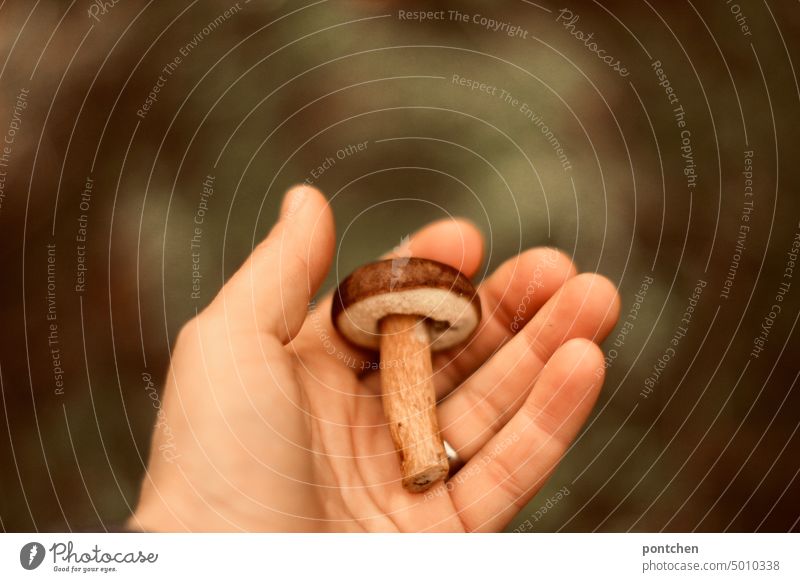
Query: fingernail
point(293, 201)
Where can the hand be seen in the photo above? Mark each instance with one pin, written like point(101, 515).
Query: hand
point(271, 422)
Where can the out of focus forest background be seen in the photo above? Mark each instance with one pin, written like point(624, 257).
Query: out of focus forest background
point(265, 92)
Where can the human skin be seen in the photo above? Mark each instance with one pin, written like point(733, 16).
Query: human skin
point(272, 422)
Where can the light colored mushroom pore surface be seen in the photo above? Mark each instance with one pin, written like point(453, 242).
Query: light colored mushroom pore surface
point(453, 316)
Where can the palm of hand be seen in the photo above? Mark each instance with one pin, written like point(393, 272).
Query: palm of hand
point(272, 426)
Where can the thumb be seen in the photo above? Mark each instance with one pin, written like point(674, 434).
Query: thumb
point(271, 291)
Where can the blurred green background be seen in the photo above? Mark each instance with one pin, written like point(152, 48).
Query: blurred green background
point(264, 95)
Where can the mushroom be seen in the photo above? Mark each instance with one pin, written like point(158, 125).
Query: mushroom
point(407, 307)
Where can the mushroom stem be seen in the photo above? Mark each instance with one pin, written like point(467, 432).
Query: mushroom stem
point(409, 400)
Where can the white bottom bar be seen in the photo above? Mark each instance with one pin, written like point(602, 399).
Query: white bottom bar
point(405, 558)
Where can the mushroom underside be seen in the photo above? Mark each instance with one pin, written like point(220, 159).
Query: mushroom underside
point(453, 317)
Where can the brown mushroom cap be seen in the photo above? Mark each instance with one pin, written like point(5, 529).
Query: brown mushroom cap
point(410, 286)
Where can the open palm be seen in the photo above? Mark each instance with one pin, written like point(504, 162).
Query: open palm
point(271, 422)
